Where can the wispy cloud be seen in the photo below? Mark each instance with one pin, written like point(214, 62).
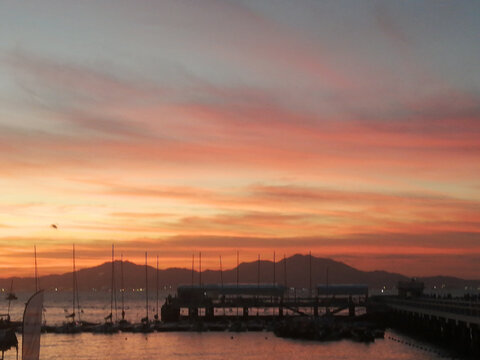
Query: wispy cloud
point(73, 84)
point(338, 128)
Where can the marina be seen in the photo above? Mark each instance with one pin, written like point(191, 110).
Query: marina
point(338, 313)
point(325, 313)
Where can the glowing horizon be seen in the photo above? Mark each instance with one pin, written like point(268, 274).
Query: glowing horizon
point(350, 130)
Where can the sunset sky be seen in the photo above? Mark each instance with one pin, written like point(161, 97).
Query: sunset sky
point(347, 128)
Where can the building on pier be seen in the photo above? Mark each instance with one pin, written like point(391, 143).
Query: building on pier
point(211, 301)
point(216, 291)
point(209, 297)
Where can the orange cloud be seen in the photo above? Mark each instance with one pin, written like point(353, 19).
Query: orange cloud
point(334, 164)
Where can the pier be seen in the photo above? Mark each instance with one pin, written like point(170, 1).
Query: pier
point(455, 323)
point(324, 313)
point(451, 322)
point(215, 302)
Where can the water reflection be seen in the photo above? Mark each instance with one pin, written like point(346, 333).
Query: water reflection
point(225, 345)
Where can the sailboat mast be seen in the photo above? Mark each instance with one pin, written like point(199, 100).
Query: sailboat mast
point(36, 273)
point(258, 271)
point(193, 267)
point(221, 281)
point(238, 257)
point(310, 274)
point(112, 285)
point(326, 278)
point(123, 288)
point(77, 297)
point(156, 308)
point(10, 297)
point(274, 265)
point(74, 284)
point(200, 269)
point(221, 271)
point(115, 293)
point(146, 288)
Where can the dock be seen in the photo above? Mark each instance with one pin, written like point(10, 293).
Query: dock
point(454, 323)
point(216, 302)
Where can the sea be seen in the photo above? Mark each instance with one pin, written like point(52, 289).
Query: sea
point(195, 345)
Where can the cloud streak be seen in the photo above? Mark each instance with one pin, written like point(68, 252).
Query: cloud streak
point(238, 124)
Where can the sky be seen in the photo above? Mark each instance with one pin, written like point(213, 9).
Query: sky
point(350, 129)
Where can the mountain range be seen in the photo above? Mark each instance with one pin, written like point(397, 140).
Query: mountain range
point(296, 268)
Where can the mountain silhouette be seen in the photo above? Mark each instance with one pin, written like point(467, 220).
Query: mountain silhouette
point(297, 270)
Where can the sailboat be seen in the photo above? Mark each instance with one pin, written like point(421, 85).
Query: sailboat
point(156, 324)
point(31, 328)
point(109, 327)
point(8, 339)
point(144, 326)
point(123, 325)
point(72, 326)
point(10, 297)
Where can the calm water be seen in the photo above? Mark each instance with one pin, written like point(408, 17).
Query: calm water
point(186, 346)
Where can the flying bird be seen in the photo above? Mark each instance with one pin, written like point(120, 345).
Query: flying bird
point(54, 226)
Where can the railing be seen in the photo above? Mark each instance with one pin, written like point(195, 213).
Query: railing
point(268, 302)
point(467, 308)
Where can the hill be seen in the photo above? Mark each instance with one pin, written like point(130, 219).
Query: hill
point(297, 271)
